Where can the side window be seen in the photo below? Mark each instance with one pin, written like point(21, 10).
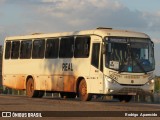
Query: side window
point(82, 47)
point(52, 47)
point(66, 47)
point(15, 49)
point(26, 47)
point(38, 49)
point(101, 64)
point(95, 54)
point(7, 49)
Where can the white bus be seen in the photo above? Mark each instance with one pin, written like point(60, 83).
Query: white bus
point(102, 61)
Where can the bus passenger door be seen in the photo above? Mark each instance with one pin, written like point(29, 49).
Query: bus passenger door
point(96, 69)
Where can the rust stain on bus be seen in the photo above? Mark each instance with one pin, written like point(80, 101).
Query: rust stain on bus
point(20, 82)
point(69, 83)
point(15, 81)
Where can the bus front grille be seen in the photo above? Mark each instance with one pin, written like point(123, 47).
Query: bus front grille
point(130, 90)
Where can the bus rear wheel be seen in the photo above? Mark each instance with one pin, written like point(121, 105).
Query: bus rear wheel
point(40, 94)
point(84, 96)
point(30, 89)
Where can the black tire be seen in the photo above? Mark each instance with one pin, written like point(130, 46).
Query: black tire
point(84, 96)
point(152, 98)
point(71, 95)
point(67, 95)
point(40, 94)
point(30, 89)
point(124, 98)
point(62, 94)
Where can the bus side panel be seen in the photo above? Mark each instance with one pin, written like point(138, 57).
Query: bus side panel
point(69, 84)
point(14, 81)
point(20, 83)
point(49, 83)
point(8, 81)
point(39, 82)
point(55, 83)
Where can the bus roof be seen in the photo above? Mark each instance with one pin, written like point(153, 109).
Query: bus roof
point(99, 31)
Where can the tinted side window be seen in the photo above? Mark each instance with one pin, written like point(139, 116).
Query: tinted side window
point(26, 47)
point(66, 47)
point(95, 54)
point(101, 64)
point(8, 50)
point(15, 49)
point(82, 47)
point(52, 47)
point(38, 49)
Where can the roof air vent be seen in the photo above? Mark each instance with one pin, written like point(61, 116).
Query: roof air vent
point(36, 33)
point(104, 28)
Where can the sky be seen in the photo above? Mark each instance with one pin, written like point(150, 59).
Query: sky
point(21, 17)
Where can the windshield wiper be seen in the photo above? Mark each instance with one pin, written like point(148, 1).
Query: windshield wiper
point(121, 67)
point(139, 64)
point(141, 67)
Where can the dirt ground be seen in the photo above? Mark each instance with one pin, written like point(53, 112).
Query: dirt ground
point(70, 109)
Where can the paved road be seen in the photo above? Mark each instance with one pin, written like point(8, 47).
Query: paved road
point(23, 104)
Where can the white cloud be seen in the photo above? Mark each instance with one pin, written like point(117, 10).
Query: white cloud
point(156, 40)
point(78, 13)
point(91, 13)
point(95, 3)
point(81, 5)
point(51, 1)
point(70, 15)
point(153, 20)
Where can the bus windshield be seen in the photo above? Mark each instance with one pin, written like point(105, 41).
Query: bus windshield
point(134, 55)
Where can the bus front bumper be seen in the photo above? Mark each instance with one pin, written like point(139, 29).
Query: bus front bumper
point(114, 88)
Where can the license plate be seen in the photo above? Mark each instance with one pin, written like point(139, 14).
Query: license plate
point(131, 93)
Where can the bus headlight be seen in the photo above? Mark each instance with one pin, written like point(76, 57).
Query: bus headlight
point(150, 82)
point(109, 79)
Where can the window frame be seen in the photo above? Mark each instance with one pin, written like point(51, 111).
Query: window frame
point(15, 51)
point(27, 40)
point(56, 55)
point(36, 55)
point(80, 38)
point(93, 55)
point(62, 53)
point(8, 51)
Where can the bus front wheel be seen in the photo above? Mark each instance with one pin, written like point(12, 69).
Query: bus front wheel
point(30, 89)
point(125, 98)
point(68, 95)
point(84, 96)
